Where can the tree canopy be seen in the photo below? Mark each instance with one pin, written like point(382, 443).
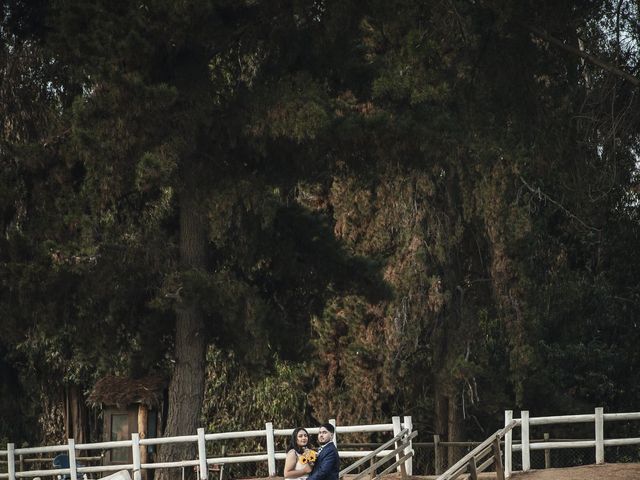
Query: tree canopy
point(426, 207)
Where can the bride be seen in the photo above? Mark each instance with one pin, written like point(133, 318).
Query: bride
point(293, 468)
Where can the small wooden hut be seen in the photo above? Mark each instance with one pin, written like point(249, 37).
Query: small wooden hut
point(129, 405)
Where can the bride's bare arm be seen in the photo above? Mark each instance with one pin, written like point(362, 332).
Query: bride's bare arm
point(290, 466)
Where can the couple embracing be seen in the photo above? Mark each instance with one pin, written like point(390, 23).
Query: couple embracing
point(300, 463)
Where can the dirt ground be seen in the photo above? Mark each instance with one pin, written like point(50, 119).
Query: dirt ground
point(608, 471)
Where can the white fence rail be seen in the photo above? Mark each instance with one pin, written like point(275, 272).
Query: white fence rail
point(201, 462)
point(598, 418)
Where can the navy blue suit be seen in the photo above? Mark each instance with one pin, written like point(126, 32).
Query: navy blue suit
point(327, 464)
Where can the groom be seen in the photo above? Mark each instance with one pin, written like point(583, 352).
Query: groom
point(328, 463)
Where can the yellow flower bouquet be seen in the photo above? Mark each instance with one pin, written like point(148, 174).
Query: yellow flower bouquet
point(309, 456)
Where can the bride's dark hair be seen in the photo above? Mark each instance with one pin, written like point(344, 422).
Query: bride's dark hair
point(293, 444)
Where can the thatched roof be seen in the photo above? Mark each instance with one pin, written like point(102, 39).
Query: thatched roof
point(123, 391)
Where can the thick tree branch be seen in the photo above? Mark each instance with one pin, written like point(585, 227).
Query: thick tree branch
point(595, 60)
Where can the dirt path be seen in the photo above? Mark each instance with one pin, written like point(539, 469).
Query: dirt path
point(609, 471)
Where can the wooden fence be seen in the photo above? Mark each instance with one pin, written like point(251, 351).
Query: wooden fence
point(480, 458)
point(402, 454)
point(201, 463)
point(598, 418)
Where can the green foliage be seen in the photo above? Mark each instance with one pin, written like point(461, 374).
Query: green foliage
point(295, 108)
point(239, 398)
point(402, 205)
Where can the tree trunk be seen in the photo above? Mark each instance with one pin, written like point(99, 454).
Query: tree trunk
point(446, 412)
point(440, 407)
point(75, 413)
point(504, 278)
point(143, 415)
point(448, 426)
point(454, 428)
point(186, 389)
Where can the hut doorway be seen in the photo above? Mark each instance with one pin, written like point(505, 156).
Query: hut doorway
point(129, 406)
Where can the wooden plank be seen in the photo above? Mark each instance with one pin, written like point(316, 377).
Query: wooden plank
point(508, 444)
point(332, 421)
point(465, 460)
point(271, 449)
point(48, 449)
point(526, 452)
point(562, 419)
point(486, 464)
point(622, 416)
point(473, 471)
point(382, 461)
point(576, 444)
point(408, 424)
point(203, 469)
point(403, 465)
point(394, 465)
point(547, 453)
point(135, 456)
point(484, 452)
point(438, 459)
point(599, 435)
point(618, 442)
point(364, 460)
point(378, 427)
point(397, 427)
point(73, 467)
point(497, 457)
point(11, 461)
point(345, 454)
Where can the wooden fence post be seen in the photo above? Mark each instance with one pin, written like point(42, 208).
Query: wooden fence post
point(11, 461)
point(397, 428)
point(599, 421)
point(135, 456)
point(271, 450)
point(547, 453)
point(508, 444)
point(526, 452)
point(332, 421)
point(72, 460)
point(437, 454)
point(143, 420)
point(473, 469)
point(222, 452)
point(497, 455)
point(372, 470)
point(402, 466)
point(409, 463)
point(202, 455)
